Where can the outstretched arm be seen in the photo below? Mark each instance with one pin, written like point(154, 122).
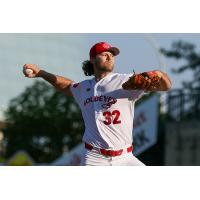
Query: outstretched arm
point(59, 82)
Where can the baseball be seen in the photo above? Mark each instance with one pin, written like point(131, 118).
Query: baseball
point(28, 71)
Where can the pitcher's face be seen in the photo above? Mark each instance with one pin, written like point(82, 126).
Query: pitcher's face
point(104, 62)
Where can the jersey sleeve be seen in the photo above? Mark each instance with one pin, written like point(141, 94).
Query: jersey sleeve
point(133, 95)
point(75, 88)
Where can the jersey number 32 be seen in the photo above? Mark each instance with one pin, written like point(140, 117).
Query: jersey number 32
point(112, 117)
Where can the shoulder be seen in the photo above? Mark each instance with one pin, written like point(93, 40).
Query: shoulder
point(86, 82)
point(81, 83)
point(116, 75)
point(122, 77)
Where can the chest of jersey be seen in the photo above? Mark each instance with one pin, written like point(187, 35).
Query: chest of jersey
point(101, 95)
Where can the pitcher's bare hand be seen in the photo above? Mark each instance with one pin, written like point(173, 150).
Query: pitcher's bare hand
point(31, 70)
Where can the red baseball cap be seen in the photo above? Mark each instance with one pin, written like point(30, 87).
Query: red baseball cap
point(102, 47)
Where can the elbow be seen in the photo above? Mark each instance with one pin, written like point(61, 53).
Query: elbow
point(166, 82)
point(168, 86)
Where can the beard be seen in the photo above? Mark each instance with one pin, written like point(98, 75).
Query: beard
point(104, 67)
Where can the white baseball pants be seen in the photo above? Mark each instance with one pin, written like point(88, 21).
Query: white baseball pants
point(94, 158)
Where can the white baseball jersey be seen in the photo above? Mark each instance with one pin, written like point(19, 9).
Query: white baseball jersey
point(107, 110)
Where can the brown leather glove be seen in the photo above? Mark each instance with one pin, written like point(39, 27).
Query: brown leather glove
point(143, 81)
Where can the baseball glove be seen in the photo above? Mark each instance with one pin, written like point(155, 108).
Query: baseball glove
point(143, 81)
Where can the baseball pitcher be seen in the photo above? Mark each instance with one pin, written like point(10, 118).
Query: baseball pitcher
point(107, 103)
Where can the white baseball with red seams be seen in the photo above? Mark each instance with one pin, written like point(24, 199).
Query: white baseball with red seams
point(28, 71)
point(107, 111)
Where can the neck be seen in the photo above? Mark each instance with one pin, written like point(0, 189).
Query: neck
point(99, 76)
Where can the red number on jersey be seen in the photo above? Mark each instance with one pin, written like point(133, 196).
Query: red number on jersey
point(116, 119)
point(108, 116)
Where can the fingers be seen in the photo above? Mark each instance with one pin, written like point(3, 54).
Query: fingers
point(26, 66)
point(30, 66)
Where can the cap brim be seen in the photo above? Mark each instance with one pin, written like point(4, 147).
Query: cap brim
point(114, 50)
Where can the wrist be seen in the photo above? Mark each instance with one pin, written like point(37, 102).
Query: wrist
point(40, 73)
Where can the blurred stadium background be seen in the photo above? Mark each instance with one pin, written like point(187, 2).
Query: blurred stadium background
point(41, 126)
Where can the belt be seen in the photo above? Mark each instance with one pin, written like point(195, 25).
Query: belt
point(106, 152)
